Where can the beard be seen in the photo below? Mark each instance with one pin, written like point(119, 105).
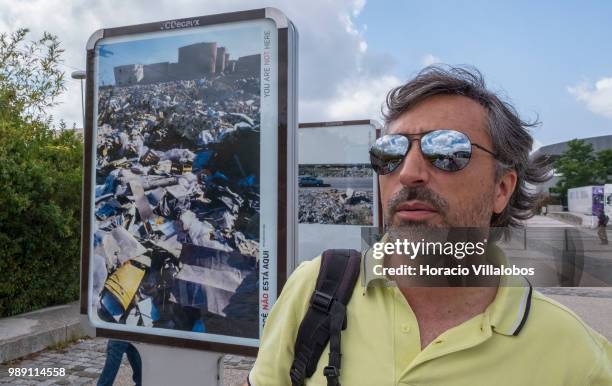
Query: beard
point(469, 224)
point(474, 214)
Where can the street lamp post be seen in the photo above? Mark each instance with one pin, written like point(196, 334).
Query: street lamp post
point(81, 75)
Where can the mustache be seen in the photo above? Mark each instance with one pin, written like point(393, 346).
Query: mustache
point(420, 193)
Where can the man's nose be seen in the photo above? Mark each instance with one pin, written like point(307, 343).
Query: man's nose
point(414, 170)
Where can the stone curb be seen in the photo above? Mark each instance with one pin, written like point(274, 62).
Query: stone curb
point(28, 333)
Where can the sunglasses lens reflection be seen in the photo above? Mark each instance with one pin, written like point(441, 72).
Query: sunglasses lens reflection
point(448, 150)
point(388, 152)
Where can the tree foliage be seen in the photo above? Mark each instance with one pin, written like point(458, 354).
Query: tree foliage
point(40, 181)
point(604, 158)
point(32, 71)
point(580, 166)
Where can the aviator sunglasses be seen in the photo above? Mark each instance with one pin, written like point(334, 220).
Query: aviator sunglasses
point(447, 150)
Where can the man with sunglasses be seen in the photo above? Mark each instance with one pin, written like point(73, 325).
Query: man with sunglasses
point(452, 155)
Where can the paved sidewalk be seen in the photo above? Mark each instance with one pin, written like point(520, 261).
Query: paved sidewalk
point(545, 221)
point(53, 338)
point(83, 361)
point(593, 305)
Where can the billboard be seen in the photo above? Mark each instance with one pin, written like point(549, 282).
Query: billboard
point(337, 189)
point(189, 178)
point(587, 200)
point(608, 199)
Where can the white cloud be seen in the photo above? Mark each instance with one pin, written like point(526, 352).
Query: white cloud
point(429, 59)
point(335, 60)
point(360, 98)
point(536, 145)
point(597, 98)
point(363, 47)
point(358, 7)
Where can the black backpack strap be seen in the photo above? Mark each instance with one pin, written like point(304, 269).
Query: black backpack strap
point(326, 316)
point(337, 318)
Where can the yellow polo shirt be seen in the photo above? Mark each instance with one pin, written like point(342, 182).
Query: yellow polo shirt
point(522, 339)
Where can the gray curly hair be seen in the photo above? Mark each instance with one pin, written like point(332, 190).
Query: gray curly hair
point(512, 141)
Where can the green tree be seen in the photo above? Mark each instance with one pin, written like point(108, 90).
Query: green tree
point(40, 180)
point(578, 166)
point(604, 157)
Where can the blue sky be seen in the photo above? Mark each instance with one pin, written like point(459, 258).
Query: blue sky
point(533, 51)
point(552, 58)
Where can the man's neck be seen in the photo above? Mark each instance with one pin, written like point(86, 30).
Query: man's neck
point(438, 309)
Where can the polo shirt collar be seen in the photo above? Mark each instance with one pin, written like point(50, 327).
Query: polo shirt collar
point(507, 313)
point(509, 310)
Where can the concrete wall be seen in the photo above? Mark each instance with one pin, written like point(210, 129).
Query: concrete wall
point(220, 62)
point(174, 71)
point(128, 74)
point(194, 61)
point(249, 65)
point(231, 66)
point(156, 72)
point(198, 59)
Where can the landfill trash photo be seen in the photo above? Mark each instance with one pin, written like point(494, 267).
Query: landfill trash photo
point(177, 215)
point(340, 194)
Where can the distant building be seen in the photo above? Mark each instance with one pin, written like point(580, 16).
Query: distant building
point(174, 71)
point(195, 61)
point(128, 74)
point(156, 72)
point(249, 65)
point(220, 63)
point(555, 150)
point(230, 65)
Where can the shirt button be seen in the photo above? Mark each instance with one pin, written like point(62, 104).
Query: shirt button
point(405, 327)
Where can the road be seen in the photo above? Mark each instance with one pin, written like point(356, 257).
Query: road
point(341, 183)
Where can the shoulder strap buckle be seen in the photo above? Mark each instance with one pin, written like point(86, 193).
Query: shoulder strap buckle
point(321, 301)
point(326, 316)
point(332, 373)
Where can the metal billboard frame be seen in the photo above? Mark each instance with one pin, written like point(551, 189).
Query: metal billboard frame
point(287, 156)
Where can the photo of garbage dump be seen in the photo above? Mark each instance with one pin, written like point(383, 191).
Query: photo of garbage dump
point(340, 194)
point(177, 215)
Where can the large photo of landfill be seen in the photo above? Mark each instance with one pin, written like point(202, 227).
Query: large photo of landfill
point(176, 243)
point(339, 194)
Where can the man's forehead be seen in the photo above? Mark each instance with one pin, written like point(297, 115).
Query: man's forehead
point(443, 112)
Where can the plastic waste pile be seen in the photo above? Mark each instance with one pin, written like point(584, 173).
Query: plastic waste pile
point(333, 206)
point(177, 205)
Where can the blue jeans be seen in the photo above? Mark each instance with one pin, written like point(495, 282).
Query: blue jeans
point(114, 353)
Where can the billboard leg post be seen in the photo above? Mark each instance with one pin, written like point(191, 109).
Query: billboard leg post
point(163, 366)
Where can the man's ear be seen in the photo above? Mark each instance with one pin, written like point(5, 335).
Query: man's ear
point(503, 190)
